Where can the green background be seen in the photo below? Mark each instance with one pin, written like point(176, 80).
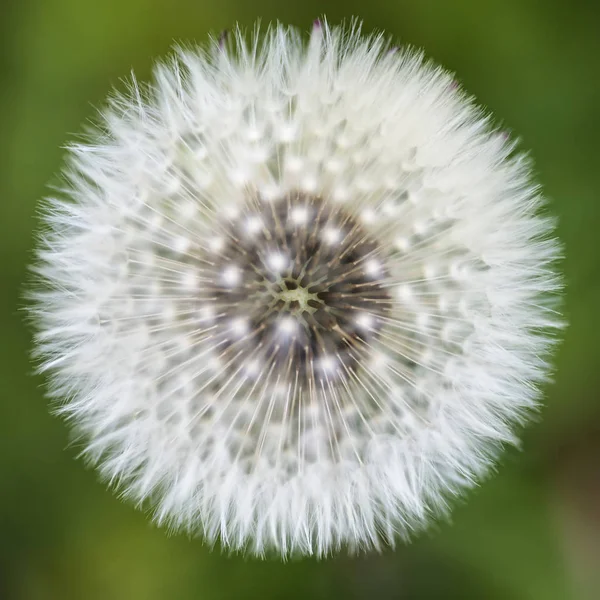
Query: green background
point(532, 532)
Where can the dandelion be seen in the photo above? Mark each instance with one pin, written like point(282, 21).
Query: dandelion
point(295, 295)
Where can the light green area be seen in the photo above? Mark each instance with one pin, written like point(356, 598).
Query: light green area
point(63, 536)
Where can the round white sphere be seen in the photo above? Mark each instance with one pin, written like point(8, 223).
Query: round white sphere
point(296, 294)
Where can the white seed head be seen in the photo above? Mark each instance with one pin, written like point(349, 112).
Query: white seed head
point(298, 293)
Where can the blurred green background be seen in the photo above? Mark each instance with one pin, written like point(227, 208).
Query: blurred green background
point(532, 532)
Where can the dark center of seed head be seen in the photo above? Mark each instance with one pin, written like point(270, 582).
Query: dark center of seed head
point(309, 287)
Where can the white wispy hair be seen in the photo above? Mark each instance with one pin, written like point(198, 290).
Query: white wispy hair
point(296, 294)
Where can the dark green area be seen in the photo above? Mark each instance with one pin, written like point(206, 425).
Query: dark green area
point(534, 63)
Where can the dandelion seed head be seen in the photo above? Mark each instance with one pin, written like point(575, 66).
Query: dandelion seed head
point(299, 293)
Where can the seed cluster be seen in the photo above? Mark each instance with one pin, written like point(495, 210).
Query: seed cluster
point(297, 287)
point(299, 293)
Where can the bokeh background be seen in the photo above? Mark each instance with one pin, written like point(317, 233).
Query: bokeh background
point(530, 533)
